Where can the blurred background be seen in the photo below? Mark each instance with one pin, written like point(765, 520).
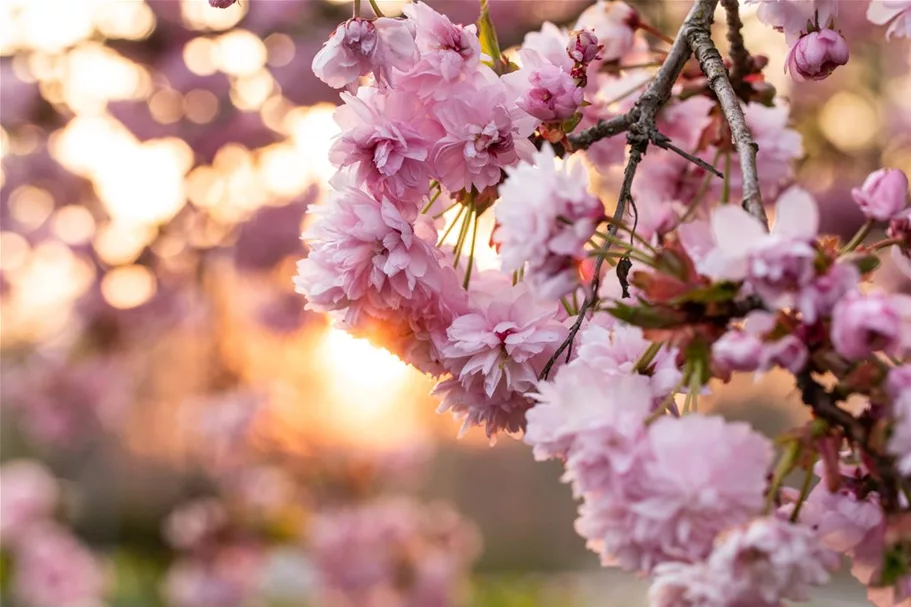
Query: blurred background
point(177, 428)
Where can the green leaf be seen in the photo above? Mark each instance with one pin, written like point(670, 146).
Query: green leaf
point(487, 34)
point(645, 317)
point(895, 566)
point(720, 292)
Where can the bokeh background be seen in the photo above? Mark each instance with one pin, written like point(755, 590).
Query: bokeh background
point(158, 158)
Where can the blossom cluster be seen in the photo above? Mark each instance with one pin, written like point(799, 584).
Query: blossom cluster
point(597, 335)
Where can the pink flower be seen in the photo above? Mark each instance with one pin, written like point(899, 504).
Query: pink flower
point(757, 565)
point(737, 350)
point(545, 216)
point(789, 353)
point(54, 570)
point(818, 299)
point(550, 93)
point(864, 324)
point(793, 16)
point(776, 265)
point(386, 137)
point(898, 381)
point(695, 477)
point(391, 552)
point(484, 134)
point(616, 350)
point(450, 55)
point(614, 24)
point(358, 47)
point(816, 55)
point(895, 12)
point(496, 351)
point(883, 195)
point(591, 415)
point(549, 45)
point(842, 519)
point(365, 256)
point(28, 495)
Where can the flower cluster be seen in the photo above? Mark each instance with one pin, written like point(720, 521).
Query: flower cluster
point(597, 336)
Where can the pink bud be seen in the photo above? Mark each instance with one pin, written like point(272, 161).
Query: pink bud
point(898, 381)
point(615, 25)
point(816, 55)
point(553, 95)
point(583, 46)
point(789, 353)
point(864, 324)
point(883, 195)
point(737, 351)
point(221, 3)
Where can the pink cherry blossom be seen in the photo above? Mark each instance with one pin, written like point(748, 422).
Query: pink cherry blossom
point(757, 565)
point(450, 55)
point(358, 47)
point(386, 138)
point(581, 406)
point(816, 55)
point(484, 134)
point(897, 13)
point(365, 256)
point(737, 350)
point(864, 324)
point(54, 570)
point(549, 45)
point(841, 519)
point(776, 265)
point(679, 496)
point(194, 524)
point(495, 353)
point(818, 299)
point(549, 93)
point(28, 495)
point(226, 577)
point(792, 16)
point(544, 218)
point(615, 25)
point(883, 195)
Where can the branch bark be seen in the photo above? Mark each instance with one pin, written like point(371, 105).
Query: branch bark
point(741, 62)
point(640, 125)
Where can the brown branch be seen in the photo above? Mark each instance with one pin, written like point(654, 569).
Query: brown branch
point(824, 406)
point(741, 62)
point(700, 41)
point(664, 142)
point(641, 125)
point(602, 130)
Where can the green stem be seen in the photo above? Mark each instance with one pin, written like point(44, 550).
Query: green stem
point(376, 9)
point(858, 238)
point(566, 307)
point(804, 491)
point(455, 220)
point(433, 199)
point(666, 403)
point(785, 464)
point(647, 357)
point(463, 234)
point(357, 8)
point(696, 385)
point(474, 237)
point(700, 193)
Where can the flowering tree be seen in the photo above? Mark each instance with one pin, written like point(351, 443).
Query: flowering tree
point(595, 323)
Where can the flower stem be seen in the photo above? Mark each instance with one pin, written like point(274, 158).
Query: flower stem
point(804, 491)
point(647, 357)
point(669, 399)
point(726, 186)
point(700, 193)
point(474, 237)
point(357, 8)
point(785, 464)
point(651, 29)
point(376, 9)
point(455, 220)
point(859, 237)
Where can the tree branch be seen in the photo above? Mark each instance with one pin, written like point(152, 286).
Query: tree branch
point(741, 62)
point(700, 41)
point(602, 130)
point(640, 128)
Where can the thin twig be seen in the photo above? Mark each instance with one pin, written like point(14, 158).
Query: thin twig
point(663, 141)
point(602, 130)
point(700, 40)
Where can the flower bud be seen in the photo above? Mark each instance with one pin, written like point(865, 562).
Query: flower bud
point(883, 195)
point(221, 3)
point(583, 46)
point(816, 55)
point(615, 25)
